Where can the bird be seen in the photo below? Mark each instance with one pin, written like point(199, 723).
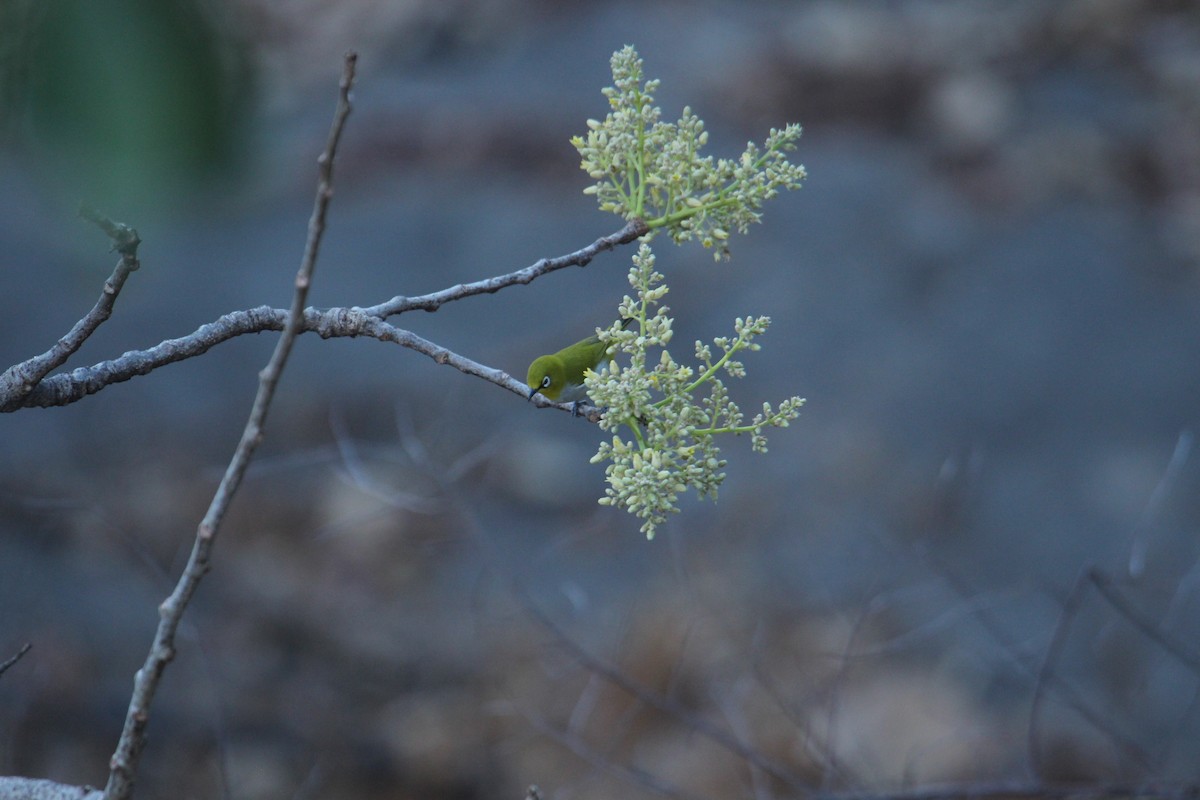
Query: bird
point(559, 376)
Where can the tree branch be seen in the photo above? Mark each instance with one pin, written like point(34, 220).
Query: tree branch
point(67, 388)
point(20, 380)
point(580, 258)
point(124, 762)
point(35, 789)
point(61, 390)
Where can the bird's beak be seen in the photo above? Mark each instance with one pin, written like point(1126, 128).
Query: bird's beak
point(532, 392)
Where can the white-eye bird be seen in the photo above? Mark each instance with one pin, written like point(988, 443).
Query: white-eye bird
point(559, 376)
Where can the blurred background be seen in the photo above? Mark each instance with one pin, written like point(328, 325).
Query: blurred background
point(988, 290)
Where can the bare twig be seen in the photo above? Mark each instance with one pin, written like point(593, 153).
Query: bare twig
point(372, 326)
point(61, 390)
point(580, 258)
point(64, 389)
point(19, 380)
point(123, 766)
point(20, 654)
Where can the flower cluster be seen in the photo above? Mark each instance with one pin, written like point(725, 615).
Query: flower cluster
point(650, 169)
point(671, 443)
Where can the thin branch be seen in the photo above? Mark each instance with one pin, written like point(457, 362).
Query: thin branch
point(580, 258)
point(20, 380)
point(124, 762)
point(372, 326)
point(20, 654)
point(67, 388)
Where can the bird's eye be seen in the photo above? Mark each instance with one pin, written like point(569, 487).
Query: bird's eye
point(546, 382)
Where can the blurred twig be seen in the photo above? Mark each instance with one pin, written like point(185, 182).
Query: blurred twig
point(1141, 531)
point(1090, 576)
point(124, 762)
point(1044, 681)
point(635, 775)
point(20, 654)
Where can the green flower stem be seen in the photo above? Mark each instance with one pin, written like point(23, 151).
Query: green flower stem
point(730, 429)
point(667, 220)
point(640, 162)
point(715, 431)
point(637, 433)
point(620, 187)
point(736, 347)
point(722, 198)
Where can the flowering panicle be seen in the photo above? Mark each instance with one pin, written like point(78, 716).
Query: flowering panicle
point(644, 167)
point(663, 417)
point(671, 441)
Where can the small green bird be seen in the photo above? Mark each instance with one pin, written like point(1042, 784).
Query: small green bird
point(559, 377)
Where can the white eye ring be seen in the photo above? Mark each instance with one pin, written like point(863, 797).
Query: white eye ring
point(546, 382)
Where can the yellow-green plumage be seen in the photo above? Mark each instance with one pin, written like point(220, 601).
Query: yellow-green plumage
point(559, 376)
